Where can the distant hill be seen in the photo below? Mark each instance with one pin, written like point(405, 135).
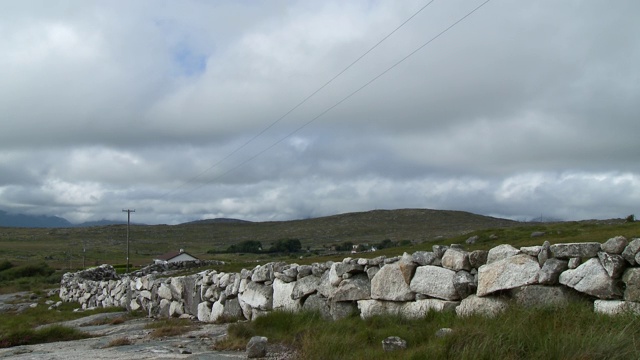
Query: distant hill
point(32, 221)
point(216, 221)
point(100, 223)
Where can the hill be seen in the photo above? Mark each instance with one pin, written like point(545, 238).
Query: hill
point(32, 221)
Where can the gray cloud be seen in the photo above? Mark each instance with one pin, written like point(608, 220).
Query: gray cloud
point(518, 111)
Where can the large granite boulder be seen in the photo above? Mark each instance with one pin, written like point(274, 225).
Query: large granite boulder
point(435, 282)
point(591, 278)
point(508, 273)
point(390, 283)
point(487, 306)
point(573, 250)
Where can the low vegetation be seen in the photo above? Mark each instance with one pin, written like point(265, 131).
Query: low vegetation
point(170, 327)
point(20, 328)
point(519, 333)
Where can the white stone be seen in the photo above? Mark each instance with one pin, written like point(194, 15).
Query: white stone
point(389, 283)
point(501, 252)
point(434, 281)
point(456, 260)
point(591, 278)
point(204, 311)
point(258, 296)
point(282, 299)
point(487, 306)
point(508, 273)
point(616, 307)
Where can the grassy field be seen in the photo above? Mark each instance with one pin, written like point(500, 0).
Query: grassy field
point(518, 333)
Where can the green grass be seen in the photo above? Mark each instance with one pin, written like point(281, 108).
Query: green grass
point(19, 328)
point(519, 333)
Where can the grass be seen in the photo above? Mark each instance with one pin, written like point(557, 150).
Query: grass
point(170, 327)
point(123, 341)
point(20, 328)
point(519, 333)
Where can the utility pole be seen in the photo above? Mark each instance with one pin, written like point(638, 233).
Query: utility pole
point(128, 211)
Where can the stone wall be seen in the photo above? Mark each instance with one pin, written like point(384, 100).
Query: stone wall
point(447, 278)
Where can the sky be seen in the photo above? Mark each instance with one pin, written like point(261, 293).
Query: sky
point(277, 110)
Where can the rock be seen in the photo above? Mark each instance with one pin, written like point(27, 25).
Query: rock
point(435, 281)
point(531, 250)
point(464, 283)
point(424, 257)
point(591, 278)
point(393, 343)
point(317, 303)
point(257, 296)
point(372, 271)
point(389, 283)
point(478, 258)
point(543, 296)
point(176, 309)
point(262, 273)
point(631, 250)
point(369, 308)
point(615, 245)
point(232, 310)
point(472, 240)
point(204, 311)
point(612, 263)
point(342, 309)
point(304, 271)
point(501, 252)
point(508, 273)
point(574, 263)
point(616, 307)
point(355, 288)
point(570, 250)
point(257, 347)
point(631, 279)
point(283, 298)
point(419, 308)
point(164, 292)
point(456, 260)
point(439, 250)
point(305, 286)
point(487, 306)
point(545, 253)
point(551, 270)
point(443, 332)
point(538, 234)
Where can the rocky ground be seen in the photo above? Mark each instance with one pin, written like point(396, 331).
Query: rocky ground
point(195, 345)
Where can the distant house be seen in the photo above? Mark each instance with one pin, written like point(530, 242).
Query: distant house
point(174, 256)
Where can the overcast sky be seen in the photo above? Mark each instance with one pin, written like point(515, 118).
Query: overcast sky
point(177, 108)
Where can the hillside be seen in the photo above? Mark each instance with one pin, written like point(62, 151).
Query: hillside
point(107, 244)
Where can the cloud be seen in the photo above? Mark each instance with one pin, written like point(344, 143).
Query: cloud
point(189, 110)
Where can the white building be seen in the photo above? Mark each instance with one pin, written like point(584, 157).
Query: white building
point(175, 256)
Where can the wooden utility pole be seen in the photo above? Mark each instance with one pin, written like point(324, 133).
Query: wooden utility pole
point(128, 211)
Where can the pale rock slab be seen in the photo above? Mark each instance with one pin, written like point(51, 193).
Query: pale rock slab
point(456, 260)
point(570, 250)
point(435, 281)
point(613, 264)
point(541, 296)
point(305, 286)
point(282, 299)
point(591, 278)
point(501, 252)
point(508, 273)
point(631, 250)
point(551, 270)
point(389, 283)
point(487, 306)
point(615, 245)
point(631, 279)
point(204, 311)
point(358, 287)
point(258, 296)
point(616, 307)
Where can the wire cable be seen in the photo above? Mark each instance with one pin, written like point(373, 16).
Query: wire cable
point(342, 100)
point(297, 105)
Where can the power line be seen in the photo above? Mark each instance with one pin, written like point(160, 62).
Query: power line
point(300, 103)
point(344, 98)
